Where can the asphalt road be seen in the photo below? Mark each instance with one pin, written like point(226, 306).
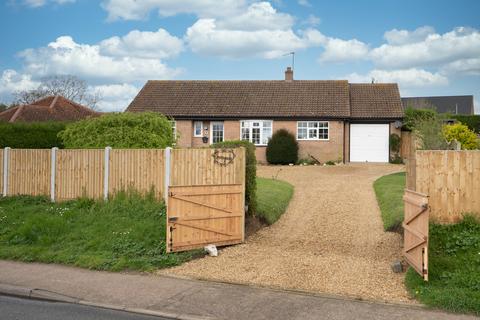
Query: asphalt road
point(22, 309)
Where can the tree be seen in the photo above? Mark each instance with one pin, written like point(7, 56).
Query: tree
point(460, 132)
point(68, 86)
point(415, 116)
point(3, 107)
point(120, 130)
point(282, 148)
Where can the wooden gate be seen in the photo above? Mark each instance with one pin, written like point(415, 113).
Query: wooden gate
point(204, 214)
point(415, 226)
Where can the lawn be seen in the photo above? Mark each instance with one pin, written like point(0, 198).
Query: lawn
point(454, 268)
point(273, 197)
point(125, 233)
point(389, 190)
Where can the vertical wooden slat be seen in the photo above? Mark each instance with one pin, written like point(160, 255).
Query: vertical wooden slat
point(29, 172)
point(1, 172)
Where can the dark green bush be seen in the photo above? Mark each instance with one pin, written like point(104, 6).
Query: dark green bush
point(414, 116)
point(38, 135)
point(120, 130)
point(395, 143)
point(472, 121)
point(250, 173)
point(282, 148)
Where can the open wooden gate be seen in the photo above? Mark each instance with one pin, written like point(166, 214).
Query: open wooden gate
point(204, 214)
point(415, 226)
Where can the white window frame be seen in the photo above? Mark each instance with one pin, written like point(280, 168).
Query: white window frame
point(317, 129)
point(195, 129)
point(250, 122)
point(211, 130)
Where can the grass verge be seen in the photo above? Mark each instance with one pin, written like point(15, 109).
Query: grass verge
point(125, 233)
point(273, 197)
point(454, 268)
point(389, 190)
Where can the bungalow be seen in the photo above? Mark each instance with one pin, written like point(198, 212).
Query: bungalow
point(331, 119)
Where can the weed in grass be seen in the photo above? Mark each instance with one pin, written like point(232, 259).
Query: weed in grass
point(126, 232)
point(454, 268)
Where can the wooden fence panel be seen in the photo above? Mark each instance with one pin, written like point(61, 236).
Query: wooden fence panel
point(29, 172)
point(207, 166)
point(79, 173)
point(140, 169)
point(1, 172)
point(451, 179)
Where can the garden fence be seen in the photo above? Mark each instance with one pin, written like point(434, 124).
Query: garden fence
point(97, 173)
point(450, 178)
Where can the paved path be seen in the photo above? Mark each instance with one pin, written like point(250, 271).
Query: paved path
point(189, 299)
point(330, 240)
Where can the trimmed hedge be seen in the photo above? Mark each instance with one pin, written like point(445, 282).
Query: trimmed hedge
point(282, 148)
point(38, 135)
point(472, 121)
point(250, 171)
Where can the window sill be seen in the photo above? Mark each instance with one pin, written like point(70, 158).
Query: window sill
point(313, 139)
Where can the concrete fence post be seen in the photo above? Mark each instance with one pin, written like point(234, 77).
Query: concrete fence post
point(106, 173)
point(53, 168)
point(6, 158)
point(168, 154)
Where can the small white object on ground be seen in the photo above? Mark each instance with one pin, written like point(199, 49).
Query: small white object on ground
point(211, 249)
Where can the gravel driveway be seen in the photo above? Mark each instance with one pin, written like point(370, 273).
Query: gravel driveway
point(330, 239)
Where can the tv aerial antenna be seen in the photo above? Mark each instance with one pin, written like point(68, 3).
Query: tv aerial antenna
point(293, 58)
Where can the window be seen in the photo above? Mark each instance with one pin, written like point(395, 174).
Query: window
point(257, 132)
point(312, 130)
point(217, 132)
point(198, 129)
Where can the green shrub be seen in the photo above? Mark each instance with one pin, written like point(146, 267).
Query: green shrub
point(38, 135)
point(250, 171)
point(282, 148)
point(414, 116)
point(330, 163)
point(430, 134)
point(460, 132)
point(120, 130)
point(472, 121)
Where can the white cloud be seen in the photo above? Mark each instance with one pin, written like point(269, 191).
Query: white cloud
point(12, 81)
point(137, 10)
point(401, 37)
point(206, 38)
point(304, 3)
point(65, 56)
point(338, 50)
point(464, 66)
point(146, 44)
point(258, 16)
point(115, 97)
point(435, 50)
point(41, 3)
point(406, 78)
point(311, 20)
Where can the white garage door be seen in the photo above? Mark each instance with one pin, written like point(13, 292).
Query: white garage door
point(369, 142)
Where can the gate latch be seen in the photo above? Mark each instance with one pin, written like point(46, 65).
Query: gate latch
point(172, 219)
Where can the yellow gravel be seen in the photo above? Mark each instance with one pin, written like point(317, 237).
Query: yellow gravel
point(330, 240)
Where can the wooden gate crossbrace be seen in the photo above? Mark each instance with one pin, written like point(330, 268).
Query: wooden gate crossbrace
point(415, 226)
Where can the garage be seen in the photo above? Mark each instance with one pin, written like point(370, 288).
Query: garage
point(369, 142)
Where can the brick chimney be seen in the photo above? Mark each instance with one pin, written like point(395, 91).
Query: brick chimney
point(289, 74)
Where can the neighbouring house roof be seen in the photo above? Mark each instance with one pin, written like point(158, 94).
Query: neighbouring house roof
point(52, 108)
point(443, 104)
point(269, 99)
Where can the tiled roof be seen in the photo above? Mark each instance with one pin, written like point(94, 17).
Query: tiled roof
point(244, 98)
point(443, 104)
point(269, 99)
point(52, 108)
point(375, 100)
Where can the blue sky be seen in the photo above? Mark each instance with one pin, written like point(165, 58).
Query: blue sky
point(428, 47)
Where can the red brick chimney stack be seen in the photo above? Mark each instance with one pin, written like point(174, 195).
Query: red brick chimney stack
point(289, 74)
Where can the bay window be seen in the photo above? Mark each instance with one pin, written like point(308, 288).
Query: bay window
point(312, 130)
point(257, 132)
